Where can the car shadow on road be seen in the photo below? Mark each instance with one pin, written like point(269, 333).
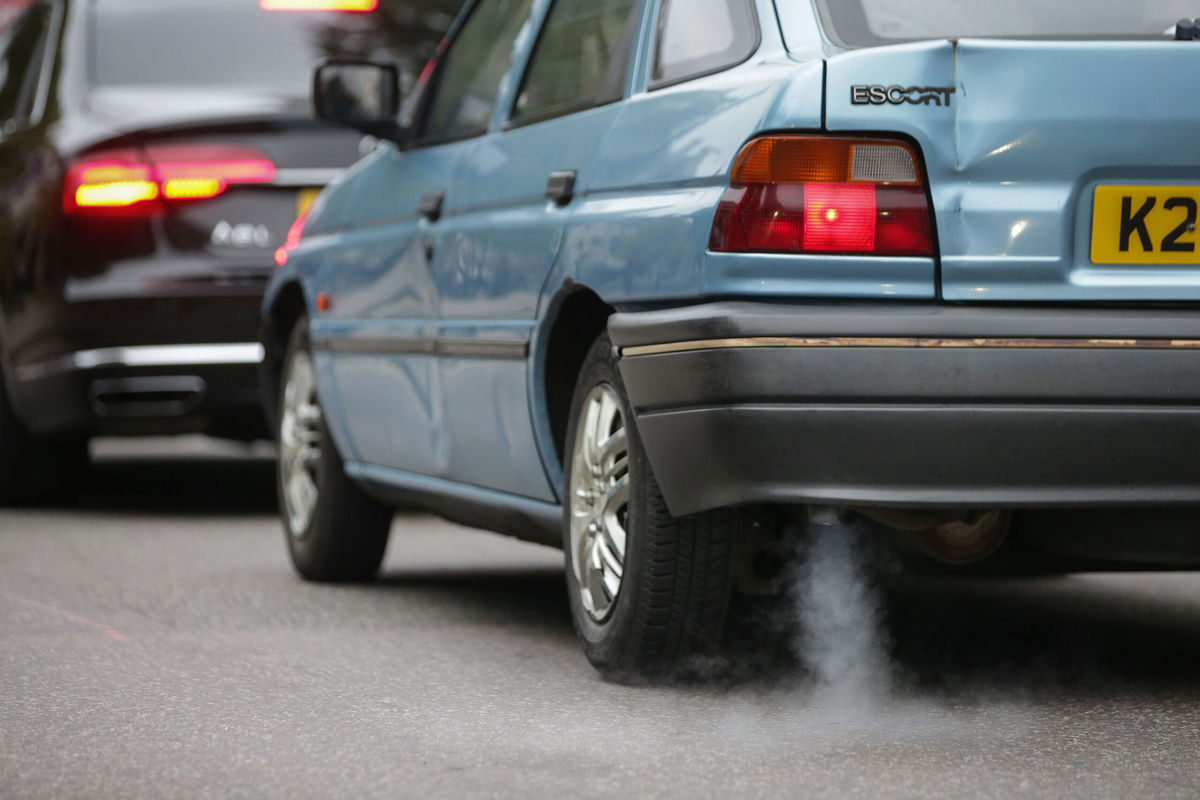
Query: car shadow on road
point(963, 636)
point(155, 485)
point(946, 636)
point(533, 598)
point(1073, 633)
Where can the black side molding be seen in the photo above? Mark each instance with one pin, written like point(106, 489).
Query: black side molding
point(747, 319)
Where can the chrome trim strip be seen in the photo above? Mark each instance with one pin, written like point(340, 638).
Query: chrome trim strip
point(428, 346)
point(482, 348)
point(305, 176)
point(164, 355)
point(912, 342)
point(377, 346)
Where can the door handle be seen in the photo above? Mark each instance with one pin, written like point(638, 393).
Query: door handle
point(431, 204)
point(561, 186)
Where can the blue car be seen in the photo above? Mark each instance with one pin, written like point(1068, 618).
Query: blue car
point(642, 278)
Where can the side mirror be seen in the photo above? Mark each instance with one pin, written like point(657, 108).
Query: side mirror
point(358, 94)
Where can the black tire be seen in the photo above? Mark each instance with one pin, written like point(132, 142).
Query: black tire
point(668, 616)
point(346, 533)
point(35, 470)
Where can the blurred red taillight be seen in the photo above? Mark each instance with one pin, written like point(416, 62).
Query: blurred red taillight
point(129, 182)
point(114, 180)
point(294, 234)
point(825, 195)
point(319, 5)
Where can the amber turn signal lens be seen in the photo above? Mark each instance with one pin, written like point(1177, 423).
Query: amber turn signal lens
point(826, 159)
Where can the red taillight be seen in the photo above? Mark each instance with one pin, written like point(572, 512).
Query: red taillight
point(116, 181)
point(825, 195)
point(360, 6)
point(839, 217)
point(294, 234)
point(132, 182)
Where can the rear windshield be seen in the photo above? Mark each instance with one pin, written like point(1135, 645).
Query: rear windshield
point(236, 44)
point(860, 23)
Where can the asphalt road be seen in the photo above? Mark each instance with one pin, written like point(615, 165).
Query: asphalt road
point(155, 643)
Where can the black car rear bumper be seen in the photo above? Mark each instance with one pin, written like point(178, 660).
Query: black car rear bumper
point(145, 390)
point(915, 405)
point(148, 362)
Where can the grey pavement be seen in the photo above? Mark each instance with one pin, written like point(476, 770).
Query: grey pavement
point(154, 643)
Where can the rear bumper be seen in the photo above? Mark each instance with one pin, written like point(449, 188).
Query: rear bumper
point(157, 360)
point(144, 390)
point(915, 405)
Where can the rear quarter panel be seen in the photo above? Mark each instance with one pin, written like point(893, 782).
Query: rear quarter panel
point(640, 232)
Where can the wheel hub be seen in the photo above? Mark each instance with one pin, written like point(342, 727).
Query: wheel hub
point(599, 502)
point(299, 444)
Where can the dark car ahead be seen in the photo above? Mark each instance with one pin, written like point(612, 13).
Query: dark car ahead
point(153, 156)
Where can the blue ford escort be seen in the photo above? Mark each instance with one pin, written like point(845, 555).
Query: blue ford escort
point(630, 276)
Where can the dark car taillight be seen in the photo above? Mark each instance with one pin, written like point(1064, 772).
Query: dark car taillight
point(360, 6)
point(134, 183)
point(825, 195)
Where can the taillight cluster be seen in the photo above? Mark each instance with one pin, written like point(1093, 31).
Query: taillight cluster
point(131, 182)
point(825, 195)
point(319, 5)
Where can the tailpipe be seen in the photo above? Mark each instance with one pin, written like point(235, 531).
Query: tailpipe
point(952, 536)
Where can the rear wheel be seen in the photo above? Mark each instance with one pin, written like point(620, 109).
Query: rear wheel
point(649, 592)
point(37, 470)
point(335, 532)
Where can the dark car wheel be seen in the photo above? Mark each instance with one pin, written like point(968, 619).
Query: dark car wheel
point(37, 470)
point(335, 532)
point(649, 592)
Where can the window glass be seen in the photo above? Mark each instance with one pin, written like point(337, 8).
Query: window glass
point(579, 60)
point(236, 44)
point(696, 37)
point(469, 75)
point(870, 22)
point(21, 60)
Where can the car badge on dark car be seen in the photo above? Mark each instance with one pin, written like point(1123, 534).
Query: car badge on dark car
point(899, 95)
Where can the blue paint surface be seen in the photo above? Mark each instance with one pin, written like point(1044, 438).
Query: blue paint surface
point(1012, 161)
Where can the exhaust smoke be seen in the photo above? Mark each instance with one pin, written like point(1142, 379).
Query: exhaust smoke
point(840, 635)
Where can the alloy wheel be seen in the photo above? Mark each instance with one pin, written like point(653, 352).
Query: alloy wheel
point(300, 444)
point(599, 501)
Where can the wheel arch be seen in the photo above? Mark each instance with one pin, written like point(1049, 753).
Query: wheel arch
point(575, 317)
point(288, 306)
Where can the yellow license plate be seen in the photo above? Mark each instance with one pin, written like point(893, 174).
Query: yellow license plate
point(304, 200)
point(1145, 225)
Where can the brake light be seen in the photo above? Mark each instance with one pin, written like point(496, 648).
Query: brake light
point(292, 241)
point(825, 195)
point(113, 183)
point(360, 6)
point(131, 182)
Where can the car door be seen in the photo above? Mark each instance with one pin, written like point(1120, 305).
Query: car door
point(512, 198)
point(382, 321)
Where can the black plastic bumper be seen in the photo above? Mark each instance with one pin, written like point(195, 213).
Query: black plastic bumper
point(915, 406)
point(143, 364)
point(216, 399)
